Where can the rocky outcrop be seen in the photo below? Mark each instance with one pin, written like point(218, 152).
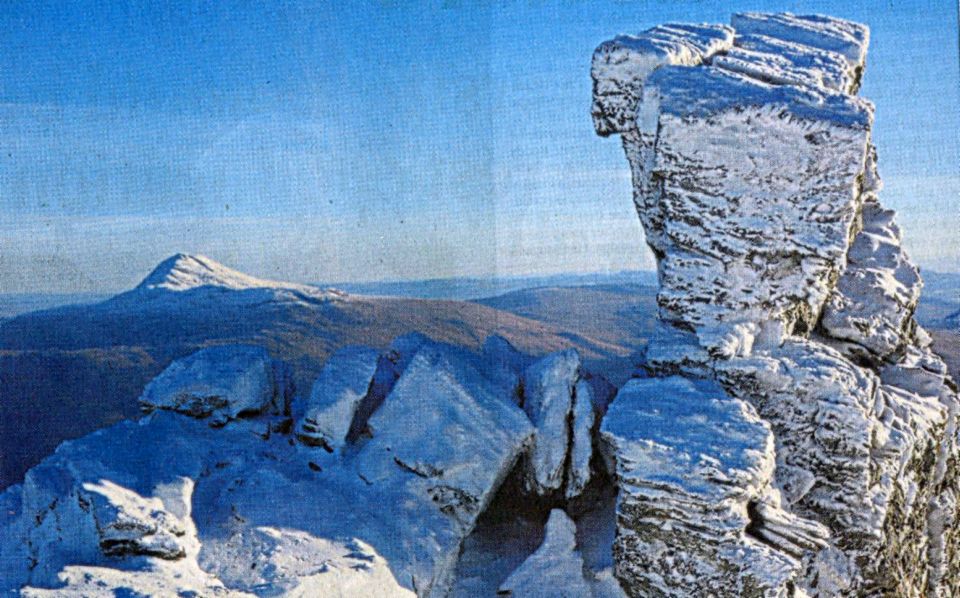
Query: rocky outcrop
point(190, 509)
point(559, 402)
point(221, 383)
point(784, 286)
point(344, 384)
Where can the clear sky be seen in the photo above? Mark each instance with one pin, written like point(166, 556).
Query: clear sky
point(335, 141)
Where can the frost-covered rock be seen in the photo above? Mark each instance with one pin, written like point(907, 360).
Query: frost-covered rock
point(548, 400)
point(581, 439)
point(555, 570)
point(719, 272)
point(344, 383)
point(287, 562)
point(457, 434)
point(621, 65)
point(168, 505)
point(560, 404)
point(710, 205)
point(847, 38)
point(694, 469)
point(780, 62)
point(221, 383)
point(871, 308)
point(783, 279)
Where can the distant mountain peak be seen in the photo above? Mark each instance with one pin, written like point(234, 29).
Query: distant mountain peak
point(185, 272)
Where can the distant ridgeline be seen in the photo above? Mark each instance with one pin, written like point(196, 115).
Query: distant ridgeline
point(787, 430)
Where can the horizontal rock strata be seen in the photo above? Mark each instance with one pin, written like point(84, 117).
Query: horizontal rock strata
point(783, 280)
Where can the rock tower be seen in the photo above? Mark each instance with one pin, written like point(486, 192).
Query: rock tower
point(792, 433)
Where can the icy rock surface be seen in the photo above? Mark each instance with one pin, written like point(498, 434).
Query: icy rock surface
point(782, 281)
point(220, 383)
point(694, 468)
point(344, 383)
point(559, 402)
point(555, 570)
point(621, 65)
point(168, 505)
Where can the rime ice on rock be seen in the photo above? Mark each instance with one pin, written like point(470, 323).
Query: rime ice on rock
point(711, 227)
point(830, 34)
point(344, 383)
point(621, 65)
point(221, 383)
point(873, 303)
point(694, 468)
point(783, 279)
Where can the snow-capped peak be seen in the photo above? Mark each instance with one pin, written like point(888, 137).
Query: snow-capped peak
point(183, 272)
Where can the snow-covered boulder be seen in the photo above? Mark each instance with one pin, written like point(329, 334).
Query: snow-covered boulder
point(168, 505)
point(694, 467)
point(130, 524)
point(344, 383)
point(559, 402)
point(456, 434)
point(221, 383)
point(555, 570)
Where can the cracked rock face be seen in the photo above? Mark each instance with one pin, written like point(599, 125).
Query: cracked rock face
point(784, 284)
point(697, 513)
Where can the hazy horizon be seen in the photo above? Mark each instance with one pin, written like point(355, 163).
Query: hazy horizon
point(383, 143)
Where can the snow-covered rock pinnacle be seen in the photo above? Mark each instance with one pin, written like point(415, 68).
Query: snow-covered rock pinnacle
point(784, 286)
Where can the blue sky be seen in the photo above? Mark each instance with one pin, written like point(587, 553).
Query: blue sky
point(318, 141)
